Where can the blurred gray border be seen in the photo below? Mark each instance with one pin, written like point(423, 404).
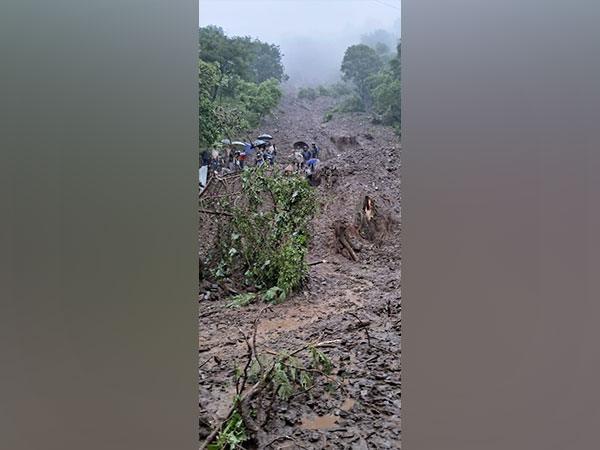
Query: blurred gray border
point(500, 225)
point(98, 235)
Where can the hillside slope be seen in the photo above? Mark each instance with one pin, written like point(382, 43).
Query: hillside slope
point(356, 303)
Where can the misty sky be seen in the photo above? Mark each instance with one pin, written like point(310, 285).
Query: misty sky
point(312, 34)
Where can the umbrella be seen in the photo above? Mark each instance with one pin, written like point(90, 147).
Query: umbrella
point(265, 137)
point(225, 141)
point(258, 143)
point(238, 145)
point(300, 144)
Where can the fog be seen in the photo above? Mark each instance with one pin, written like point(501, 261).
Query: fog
point(313, 34)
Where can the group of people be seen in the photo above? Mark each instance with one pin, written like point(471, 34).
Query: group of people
point(229, 159)
point(307, 159)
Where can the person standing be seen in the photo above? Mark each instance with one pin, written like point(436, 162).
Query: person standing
point(231, 161)
point(306, 154)
point(241, 158)
point(299, 159)
point(315, 151)
point(205, 155)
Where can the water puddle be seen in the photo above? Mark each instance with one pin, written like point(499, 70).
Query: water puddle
point(281, 324)
point(319, 423)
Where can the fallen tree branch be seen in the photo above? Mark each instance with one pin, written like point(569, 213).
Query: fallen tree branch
point(255, 390)
point(220, 213)
point(314, 263)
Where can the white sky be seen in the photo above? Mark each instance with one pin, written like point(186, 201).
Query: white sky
point(271, 20)
point(312, 34)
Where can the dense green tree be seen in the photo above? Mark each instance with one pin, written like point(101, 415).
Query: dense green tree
point(235, 55)
point(238, 84)
point(376, 74)
point(258, 99)
point(359, 62)
point(267, 63)
point(385, 91)
point(208, 75)
point(232, 121)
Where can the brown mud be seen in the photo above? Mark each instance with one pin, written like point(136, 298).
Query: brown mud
point(354, 301)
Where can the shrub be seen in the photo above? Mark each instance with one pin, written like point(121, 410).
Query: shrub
point(307, 93)
point(265, 241)
point(322, 91)
point(352, 104)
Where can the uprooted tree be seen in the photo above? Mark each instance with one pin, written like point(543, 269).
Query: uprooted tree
point(254, 232)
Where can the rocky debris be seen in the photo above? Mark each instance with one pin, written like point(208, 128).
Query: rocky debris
point(357, 302)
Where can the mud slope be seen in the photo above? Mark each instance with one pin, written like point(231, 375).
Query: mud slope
point(356, 302)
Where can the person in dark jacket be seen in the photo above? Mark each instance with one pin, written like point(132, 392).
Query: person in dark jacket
point(314, 151)
point(205, 157)
point(306, 154)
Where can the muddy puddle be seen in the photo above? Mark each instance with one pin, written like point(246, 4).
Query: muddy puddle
point(319, 422)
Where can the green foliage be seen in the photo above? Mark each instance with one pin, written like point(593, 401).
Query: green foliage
point(231, 121)
point(379, 37)
point(385, 90)
point(281, 380)
point(359, 62)
point(208, 82)
point(238, 83)
point(258, 100)
point(350, 105)
point(274, 295)
point(232, 435)
point(395, 62)
point(381, 49)
point(267, 62)
point(266, 240)
point(376, 74)
point(241, 300)
point(320, 360)
point(323, 91)
point(286, 378)
point(291, 377)
point(307, 93)
point(340, 89)
point(336, 90)
point(235, 55)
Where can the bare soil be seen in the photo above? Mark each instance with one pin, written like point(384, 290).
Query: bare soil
point(354, 302)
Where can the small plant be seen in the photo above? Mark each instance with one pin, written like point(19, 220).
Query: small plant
point(352, 104)
point(322, 91)
point(307, 93)
point(274, 295)
point(283, 377)
point(339, 89)
point(232, 433)
point(328, 117)
point(241, 300)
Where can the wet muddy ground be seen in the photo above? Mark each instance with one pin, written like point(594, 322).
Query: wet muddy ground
point(354, 303)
